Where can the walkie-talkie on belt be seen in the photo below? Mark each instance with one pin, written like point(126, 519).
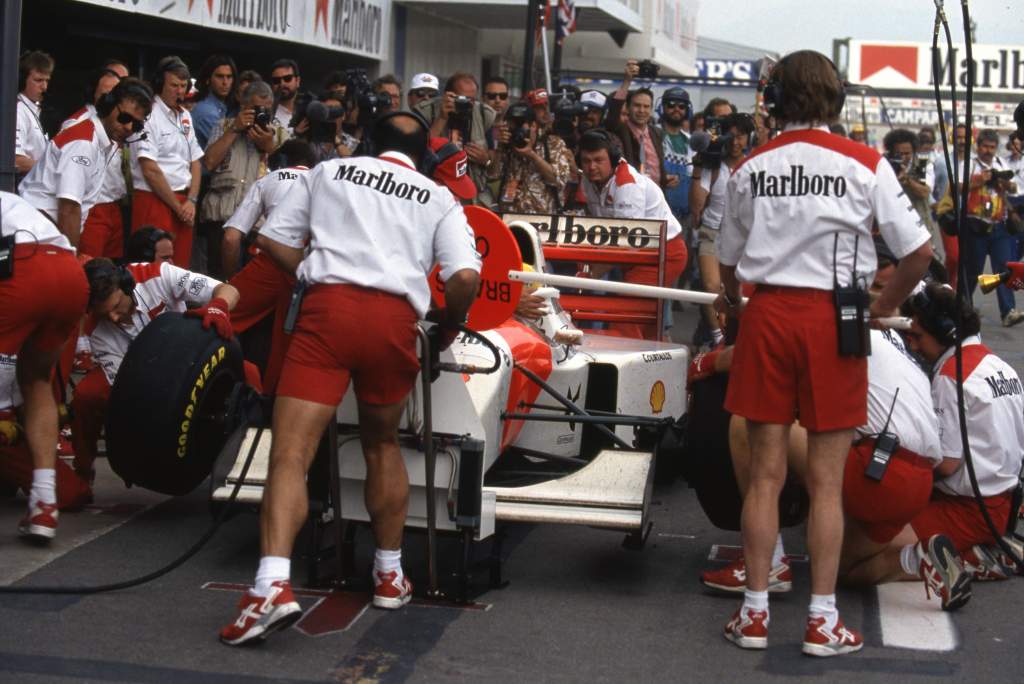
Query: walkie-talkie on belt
point(6, 252)
point(885, 446)
point(293, 307)
point(852, 309)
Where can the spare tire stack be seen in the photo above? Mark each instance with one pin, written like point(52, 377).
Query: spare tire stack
point(166, 416)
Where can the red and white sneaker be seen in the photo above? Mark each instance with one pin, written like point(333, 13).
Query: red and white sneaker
point(821, 641)
point(40, 522)
point(983, 564)
point(748, 628)
point(261, 616)
point(943, 572)
point(389, 592)
point(733, 577)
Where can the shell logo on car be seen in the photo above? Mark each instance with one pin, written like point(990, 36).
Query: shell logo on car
point(657, 396)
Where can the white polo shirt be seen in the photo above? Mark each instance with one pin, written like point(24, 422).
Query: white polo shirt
point(891, 367)
point(73, 168)
point(994, 399)
point(263, 196)
point(170, 142)
point(789, 200)
point(632, 195)
point(29, 138)
point(374, 222)
point(27, 225)
point(159, 287)
point(114, 187)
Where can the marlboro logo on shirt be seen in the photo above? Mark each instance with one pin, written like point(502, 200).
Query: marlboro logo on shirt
point(383, 183)
point(796, 184)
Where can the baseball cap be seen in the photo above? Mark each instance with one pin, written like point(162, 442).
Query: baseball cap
point(452, 168)
point(424, 81)
point(593, 99)
point(536, 97)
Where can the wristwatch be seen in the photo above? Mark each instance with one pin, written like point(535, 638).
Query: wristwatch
point(193, 200)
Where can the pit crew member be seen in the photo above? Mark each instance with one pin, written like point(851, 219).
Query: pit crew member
point(69, 179)
point(789, 206)
point(165, 164)
point(34, 70)
point(614, 189)
point(44, 295)
point(149, 244)
point(122, 301)
point(398, 223)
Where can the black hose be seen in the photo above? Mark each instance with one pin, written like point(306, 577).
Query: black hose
point(115, 586)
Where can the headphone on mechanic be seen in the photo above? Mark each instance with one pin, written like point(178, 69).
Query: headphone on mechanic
point(96, 269)
point(675, 94)
point(425, 153)
point(431, 160)
point(933, 317)
point(142, 243)
point(599, 136)
point(166, 64)
point(774, 95)
point(126, 88)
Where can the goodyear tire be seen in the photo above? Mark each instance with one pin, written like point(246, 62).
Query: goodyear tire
point(166, 416)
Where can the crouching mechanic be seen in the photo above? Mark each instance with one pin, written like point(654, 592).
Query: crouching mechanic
point(614, 189)
point(122, 301)
point(44, 296)
point(375, 228)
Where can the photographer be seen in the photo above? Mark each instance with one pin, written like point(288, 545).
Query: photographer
point(987, 208)
point(594, 103)
point(711, 171)
point(643, 144)
point(390, 86)
point(236, 158)
point(915, 173)
point(533, 163)
point(458, 116)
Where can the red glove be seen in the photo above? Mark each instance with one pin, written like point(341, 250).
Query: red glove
point(701, 367)
point(1016, 270)
point(216, 314)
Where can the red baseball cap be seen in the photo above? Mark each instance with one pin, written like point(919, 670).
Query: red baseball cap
point(536, 97)
point(452, 168)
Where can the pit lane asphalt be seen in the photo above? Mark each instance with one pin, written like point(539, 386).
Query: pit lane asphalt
point(579, 607)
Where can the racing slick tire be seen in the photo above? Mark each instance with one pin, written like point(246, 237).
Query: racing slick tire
point(166, 420)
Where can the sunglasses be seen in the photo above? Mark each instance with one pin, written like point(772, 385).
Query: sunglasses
point(496, 96)
point(124, 118)
point(423, 92)
point(277, 80)
point(675, 105)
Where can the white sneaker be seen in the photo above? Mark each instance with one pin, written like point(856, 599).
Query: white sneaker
point(1013, 317)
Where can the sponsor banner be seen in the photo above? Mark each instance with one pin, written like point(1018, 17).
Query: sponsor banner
point(354, 26)
point(904, 112)
point(906, 65)
point(728, 69)
point(606, 233)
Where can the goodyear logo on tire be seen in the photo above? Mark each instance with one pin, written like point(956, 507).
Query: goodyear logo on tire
point(193, 398)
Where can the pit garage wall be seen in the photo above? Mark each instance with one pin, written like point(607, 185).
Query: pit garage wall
point(433, 45)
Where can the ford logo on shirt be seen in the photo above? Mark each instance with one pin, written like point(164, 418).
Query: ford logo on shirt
point(79, 159)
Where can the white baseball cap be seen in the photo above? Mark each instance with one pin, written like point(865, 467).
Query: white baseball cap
point(424, 81)
point(593, 98)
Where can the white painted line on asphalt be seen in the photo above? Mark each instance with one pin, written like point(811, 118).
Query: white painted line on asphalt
point(909, 620)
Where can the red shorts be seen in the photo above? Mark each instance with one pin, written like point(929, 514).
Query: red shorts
point(346, 331)
point(958, 518)
point(103, 232)
point(885, 508)
point(44, 300)
point(265, 290)
point(786, 365)
point(150, 210)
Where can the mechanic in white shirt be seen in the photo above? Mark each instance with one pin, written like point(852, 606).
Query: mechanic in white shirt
point(34, 71)
point(707, 204)
point(122, 302)
point(103, 232)
point(44, 294)
point(265, 287)
point(614, 189)
point(69, 179)
point(797, 210)
point(165, 164)
point(375, 228)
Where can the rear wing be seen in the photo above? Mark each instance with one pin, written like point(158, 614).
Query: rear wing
point(612, 241)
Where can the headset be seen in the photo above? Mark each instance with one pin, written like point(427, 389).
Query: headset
point(774, 97)
point(142, 243)
point(933, 318)
point(96, 269)
point(603, 136)
point(163, 66)
point(677, 94)
point(432, 159)
point(424, 153)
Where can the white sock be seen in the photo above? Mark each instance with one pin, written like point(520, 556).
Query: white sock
point(779, 552)
point(824, 605)
point(910, 559)
point(44, 486)
point(755, 600)
point(388, 560)
point(272, 569)
point(717, 335)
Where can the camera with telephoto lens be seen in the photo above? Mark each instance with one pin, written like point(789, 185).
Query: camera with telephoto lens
point(461, 119)
point(566, 110)
point(648, 69)
point(359, 93)
point(710, 154)
point(519, 117)
point(261, 117)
